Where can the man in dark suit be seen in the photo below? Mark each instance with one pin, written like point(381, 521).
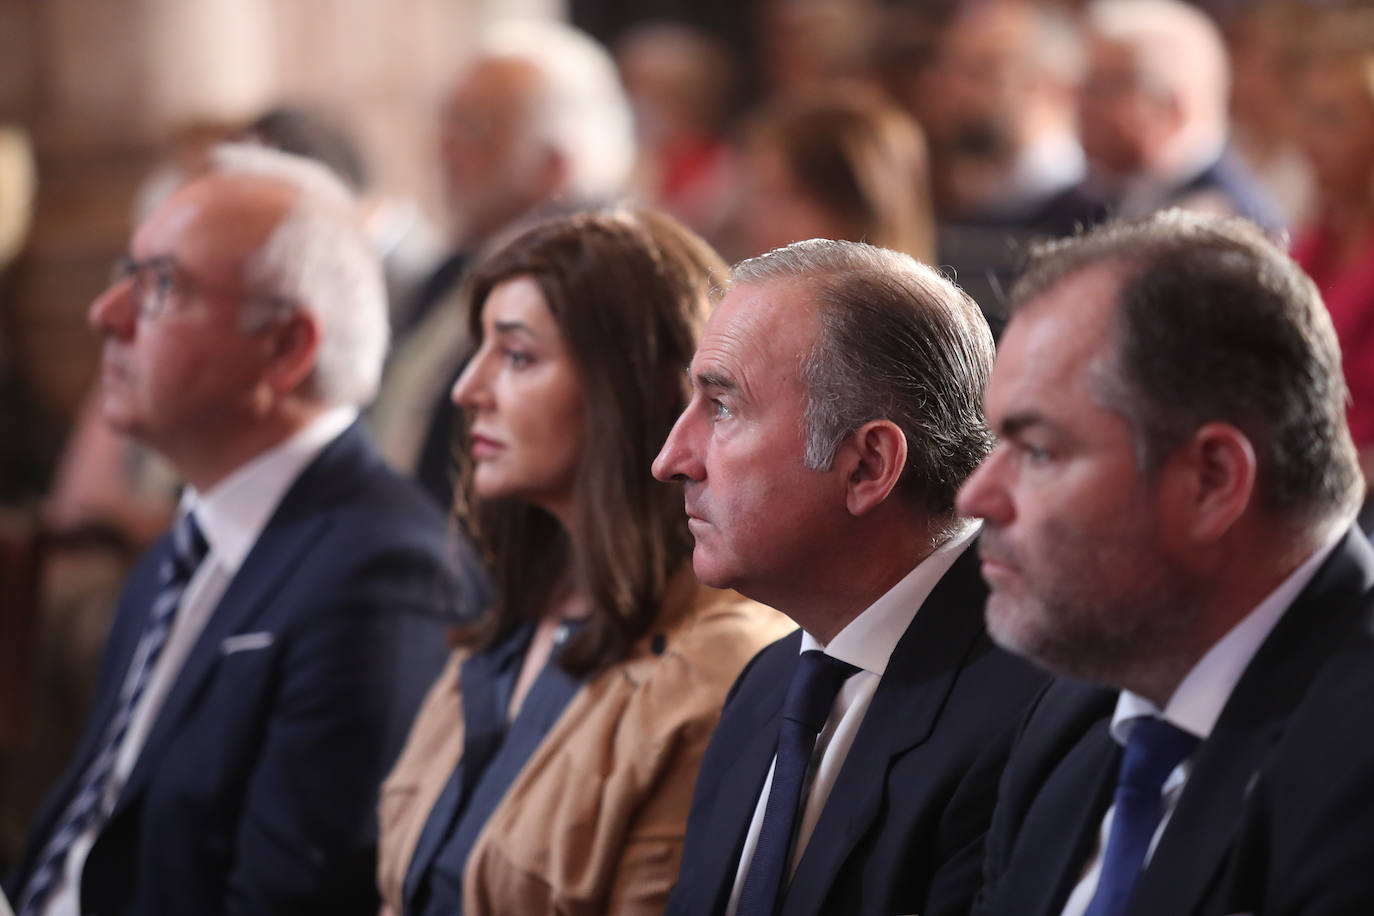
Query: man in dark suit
point(1155, 115)
point(268, 654)
point(1168, 524)
point(834, 414)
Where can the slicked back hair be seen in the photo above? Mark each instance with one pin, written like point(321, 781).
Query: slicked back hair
point(1213, 322)
point(895, 341)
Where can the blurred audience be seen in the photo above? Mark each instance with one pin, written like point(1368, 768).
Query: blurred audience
point(27, 442)
point(1155, 112)
point(537, 119)
point(269, 650)
point(808, 45)
point(551, 768)
point(1000, 105)
point(840, 164)
point(1265, 40)
point(1336, 102)
point(400, 234)
point(680, 82)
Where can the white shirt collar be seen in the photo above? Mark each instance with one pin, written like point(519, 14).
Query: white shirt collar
point(868, 640)
point(1202, 694)
point(234, 511)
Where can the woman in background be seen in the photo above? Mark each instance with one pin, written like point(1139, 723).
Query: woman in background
point(841, 165)
point(551, 767)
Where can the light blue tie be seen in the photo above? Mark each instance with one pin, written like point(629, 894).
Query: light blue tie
point(1153, 750)
point(88, 809)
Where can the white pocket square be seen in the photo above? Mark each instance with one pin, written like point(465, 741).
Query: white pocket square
point(245, 642)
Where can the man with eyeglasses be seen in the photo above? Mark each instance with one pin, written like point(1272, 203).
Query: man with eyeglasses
point(268, 654)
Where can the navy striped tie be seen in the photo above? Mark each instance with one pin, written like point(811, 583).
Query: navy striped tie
point(90, 807)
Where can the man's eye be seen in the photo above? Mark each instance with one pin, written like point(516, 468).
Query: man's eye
point(719, 410)
point(518, 359)
point(1034, 453)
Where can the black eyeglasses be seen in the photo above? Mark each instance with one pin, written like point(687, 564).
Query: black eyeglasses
point(153, 280)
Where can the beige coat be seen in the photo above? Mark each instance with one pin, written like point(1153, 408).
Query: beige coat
point(594, 822)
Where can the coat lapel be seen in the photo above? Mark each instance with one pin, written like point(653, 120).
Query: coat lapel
point(1061, 827)
point(754, 730)
point(1199, 836)
point(295, 527)
point(902, 715)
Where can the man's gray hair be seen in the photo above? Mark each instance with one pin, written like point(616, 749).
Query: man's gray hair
point(1179, 50)
point(318, 259)
point(895, 341)
point(583, 111)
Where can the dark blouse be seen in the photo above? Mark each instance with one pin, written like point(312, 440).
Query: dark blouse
point(494, 752)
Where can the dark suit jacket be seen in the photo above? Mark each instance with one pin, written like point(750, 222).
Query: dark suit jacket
point(902, 829)
point(256, 789)
point(1061, 776)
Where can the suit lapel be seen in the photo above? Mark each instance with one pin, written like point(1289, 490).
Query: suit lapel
point(1199, 835)
point(902, 715)
point(1062, 825)
point(295, 528)
point(755, 732)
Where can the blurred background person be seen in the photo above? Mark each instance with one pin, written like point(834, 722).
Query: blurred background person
point(1265, 40)
point(810, 45)
point(1336, 93)
point(846, 165)
point(680, 82)
point(1155, 111)
point(551, 768)
point(537, 119)
point(999, 102)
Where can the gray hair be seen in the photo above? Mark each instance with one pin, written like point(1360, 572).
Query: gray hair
point(1213, 322)
point(895, 341)
point(1179, 50)
point(317, 259)
point(583, 111)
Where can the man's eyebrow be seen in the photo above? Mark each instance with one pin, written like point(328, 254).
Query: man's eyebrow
point(710, 379)
point(1018, 422)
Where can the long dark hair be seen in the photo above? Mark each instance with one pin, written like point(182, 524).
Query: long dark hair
point(629, 292)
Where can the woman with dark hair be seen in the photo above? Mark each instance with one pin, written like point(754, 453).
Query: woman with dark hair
point(841, 165)
point(551, 768)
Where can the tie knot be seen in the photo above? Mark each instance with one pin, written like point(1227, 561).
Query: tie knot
point(814, 685)
point(1153, 750)
point(188, 547)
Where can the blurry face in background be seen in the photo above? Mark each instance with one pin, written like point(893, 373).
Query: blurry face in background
point(523, 398)
point(982, 81)
point(1118, 117)
point(491, 157)
point(774, 210)
point(1336, 117)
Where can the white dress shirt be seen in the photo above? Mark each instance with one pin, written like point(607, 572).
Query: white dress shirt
point(867, 644)
point(1195, 706)
point(231, 516)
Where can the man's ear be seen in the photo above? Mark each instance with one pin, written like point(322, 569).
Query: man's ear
point(294, 342)
point(1219, 470)
point(871, 458)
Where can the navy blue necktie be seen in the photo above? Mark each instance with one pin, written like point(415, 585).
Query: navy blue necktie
point(1153, 750)
point(89, 807)
point(815, 683)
